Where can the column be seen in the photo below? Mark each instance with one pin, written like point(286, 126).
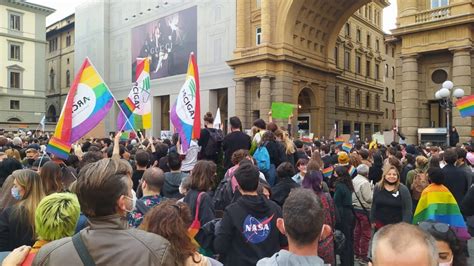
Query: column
point(362, 131)
point(352, 127)
point(265, 96)
point(410, 103)
point(462, 79)
point(266, 15)
point(329, 108)
point(240, 101)
point(340, 126)
point(241, 23)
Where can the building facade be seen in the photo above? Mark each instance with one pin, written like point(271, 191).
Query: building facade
point(22, 57)
point(327, 57)
point(114, 33)
point(434, 41)
point(59, 65)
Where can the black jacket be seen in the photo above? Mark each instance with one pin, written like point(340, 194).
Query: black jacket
point(206, 212)
point(232, 142)
point(282, 189)
point(276, 152)
point(467, 206)
point(171, 186)
point(14, 232)
point(248, 231)
point(456, 180)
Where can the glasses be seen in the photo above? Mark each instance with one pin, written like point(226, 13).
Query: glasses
point(438, 227)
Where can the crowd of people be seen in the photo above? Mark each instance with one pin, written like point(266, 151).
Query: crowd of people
point(234, 199)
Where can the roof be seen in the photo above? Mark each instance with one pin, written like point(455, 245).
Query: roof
point(23, 4)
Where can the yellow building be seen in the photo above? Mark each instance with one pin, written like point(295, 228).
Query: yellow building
point(22, 55)
point(59, 65)
point(326, 56)
point(434, 44)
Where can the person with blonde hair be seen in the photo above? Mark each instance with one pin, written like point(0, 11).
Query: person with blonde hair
point(17, 223)
point(391, 202)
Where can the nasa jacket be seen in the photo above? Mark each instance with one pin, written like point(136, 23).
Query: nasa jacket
point(248, 231)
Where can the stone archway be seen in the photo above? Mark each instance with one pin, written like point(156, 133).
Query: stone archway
point(295, 46)
point(51, 114)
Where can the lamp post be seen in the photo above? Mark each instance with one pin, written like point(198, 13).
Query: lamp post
point(445, 95)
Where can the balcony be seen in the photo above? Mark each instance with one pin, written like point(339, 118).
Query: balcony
point(433, 14)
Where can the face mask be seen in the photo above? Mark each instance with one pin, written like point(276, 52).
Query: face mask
point(16, 193)
point(134, 201)
point(449, 263)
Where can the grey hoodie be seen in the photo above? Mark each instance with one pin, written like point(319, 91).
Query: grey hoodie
point(286, 258)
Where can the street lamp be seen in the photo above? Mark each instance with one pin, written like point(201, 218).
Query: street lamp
point(445, 95)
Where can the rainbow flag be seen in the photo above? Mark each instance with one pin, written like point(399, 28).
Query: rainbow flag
point(352, 170)
point(466, 106)
point(186, 111)
point(347, 147)
point(438, 204)
point(339, 141)
point(87, 103)
point(327, 172)
point(137, 106)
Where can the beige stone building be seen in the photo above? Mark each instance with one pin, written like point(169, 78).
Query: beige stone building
point(22, 56)
point(326, 56)
point(434, 43)
point(59, 65)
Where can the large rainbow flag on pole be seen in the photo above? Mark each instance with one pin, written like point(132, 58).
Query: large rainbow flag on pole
point(438, 204)
point(466, 106)
point(137, 106)
point(186, 111)
point(87, 103)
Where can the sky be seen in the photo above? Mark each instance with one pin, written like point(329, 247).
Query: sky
point(66, 7)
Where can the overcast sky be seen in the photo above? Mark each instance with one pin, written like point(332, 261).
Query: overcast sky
point(66, 7)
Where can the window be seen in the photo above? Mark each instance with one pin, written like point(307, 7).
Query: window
point(15, 21)
point(386, 94)
point(347, 96)
point(358, 99)
point(366, 13)
point(258, 36)
point(14, 105)
point(439, 3)
point(68, 78)
point(336, 56)
point(367, 69)
point(258, 3)
point(377, 102)
point(386, 70)
point(377, 45)
point(347, 30)
point(68, 40)
point(377, 71)
point(367, 100)
point(393, 96)
point(386, 49)
point(386, 113)
point(51, 80)
point(53, 45)
point(15, 79)
point(393, 52)
point(393, 72)
point(358, 34)
point(337, 95)
point(370, 13)
point(67, 61)
point(347, 60)
point(15, 52)
point(369, 41)
point(358, 68)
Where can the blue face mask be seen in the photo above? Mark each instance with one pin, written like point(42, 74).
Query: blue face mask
point(16, 193)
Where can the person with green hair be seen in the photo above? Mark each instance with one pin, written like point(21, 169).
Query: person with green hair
point(55, 218)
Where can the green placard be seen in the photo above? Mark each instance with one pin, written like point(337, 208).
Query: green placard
point(282, 110)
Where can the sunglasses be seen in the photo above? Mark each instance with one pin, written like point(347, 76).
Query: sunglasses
point(429, 225)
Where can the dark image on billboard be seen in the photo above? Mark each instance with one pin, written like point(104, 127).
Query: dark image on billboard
point(167, 42)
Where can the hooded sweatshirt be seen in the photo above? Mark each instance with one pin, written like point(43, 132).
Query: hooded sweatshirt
point(286, 258)
point(171, 186)
point(248, 231)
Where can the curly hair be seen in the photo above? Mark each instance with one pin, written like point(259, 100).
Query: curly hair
point(171, 220)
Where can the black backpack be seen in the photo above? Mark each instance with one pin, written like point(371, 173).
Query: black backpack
point(214, 144)
point(223, 195)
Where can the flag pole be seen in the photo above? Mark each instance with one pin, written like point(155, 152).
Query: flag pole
point(115, 100)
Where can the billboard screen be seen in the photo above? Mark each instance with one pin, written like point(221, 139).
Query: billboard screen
point(167, 41)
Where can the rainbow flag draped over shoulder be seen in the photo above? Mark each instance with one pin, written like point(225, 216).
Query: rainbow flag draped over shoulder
point(186, 111)
point(466, 106)
point(438, 204)
point(87, 103)
point(137, 106)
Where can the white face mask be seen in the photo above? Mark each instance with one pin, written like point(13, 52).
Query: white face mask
point(134, 201)
point(449, 263)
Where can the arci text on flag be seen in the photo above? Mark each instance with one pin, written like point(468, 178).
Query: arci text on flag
point(186, 111)
point(137, 106)
point(87, 103)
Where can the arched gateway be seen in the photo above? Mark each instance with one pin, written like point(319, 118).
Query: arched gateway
point(285, 47)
